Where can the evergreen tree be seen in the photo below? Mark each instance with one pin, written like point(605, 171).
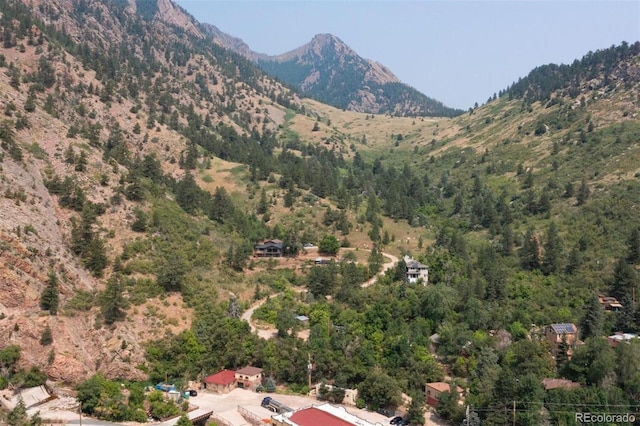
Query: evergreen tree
point(49, 297)
point(188, 194)
point(47, 336)
point(625, 280)
point(81, 162)
point(18, 416)
point(184, 421)
point(263, 203)
point(375, 261)
point(633, 247)
point(625, 320)
point(415, 413)
point(530, 252)
point(552, 251)
point(583, 193)
point(112, 302)
point(171, 273)
point(592, 321)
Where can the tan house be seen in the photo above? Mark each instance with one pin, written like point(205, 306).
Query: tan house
point(556, 333)
point(433, 391)
point(222, 382)
point(248, 377)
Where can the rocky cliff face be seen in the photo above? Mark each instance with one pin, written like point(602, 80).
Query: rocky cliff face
point(93, 72)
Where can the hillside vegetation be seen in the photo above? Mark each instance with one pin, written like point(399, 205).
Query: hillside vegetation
point(141, 162)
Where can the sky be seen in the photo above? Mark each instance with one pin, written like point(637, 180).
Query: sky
point(458, 52)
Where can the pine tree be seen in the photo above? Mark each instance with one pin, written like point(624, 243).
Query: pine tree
point(625, 280)
point(49, 297)
point(592, 320)
point(552, 251)
point(530, 253)
point(18, 416)
point(81, 162)
point(112, 302)
point(625, 320)
point(633, 247)
point(583, 193)
point(47, 336)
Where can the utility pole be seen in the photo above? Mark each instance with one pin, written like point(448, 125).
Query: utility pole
point(309, 368)
point(514, 412)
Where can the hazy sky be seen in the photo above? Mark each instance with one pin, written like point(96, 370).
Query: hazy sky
point(458, 52)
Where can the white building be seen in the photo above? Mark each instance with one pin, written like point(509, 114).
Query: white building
point(416, 271)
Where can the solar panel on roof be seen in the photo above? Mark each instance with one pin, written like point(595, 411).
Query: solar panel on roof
point(563, 328)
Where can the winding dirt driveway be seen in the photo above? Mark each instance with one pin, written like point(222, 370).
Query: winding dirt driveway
point(304, 334)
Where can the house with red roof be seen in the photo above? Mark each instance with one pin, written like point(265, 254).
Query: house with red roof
point(222, 382)
point(319, 415)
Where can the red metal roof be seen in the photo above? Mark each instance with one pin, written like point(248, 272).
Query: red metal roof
point(314, 417)
point(223, 377)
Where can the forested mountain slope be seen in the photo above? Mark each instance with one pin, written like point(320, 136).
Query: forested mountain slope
point(328, 70)
point(140, 163)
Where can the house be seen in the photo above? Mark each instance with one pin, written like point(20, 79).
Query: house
point(222, 382)
point(617, 338)
point(434, 389)
point(557, 333)
point(416, 271)
point(610, 304)
point(315, 415)
point(249, 377)
point(269, 248)
point(550, 384)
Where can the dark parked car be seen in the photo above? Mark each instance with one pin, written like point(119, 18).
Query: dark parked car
point(396, 420)
point(192, 392)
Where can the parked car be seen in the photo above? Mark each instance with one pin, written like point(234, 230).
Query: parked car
point(192, 392)
point(396, 420)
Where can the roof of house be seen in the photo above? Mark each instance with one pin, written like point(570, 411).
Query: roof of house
point(559, 383)
point(564, 328)
point(269, 243)
point(249, 371)
point(314, 417)
point(443, 387)
point(223, 377)
point(412, 263)
point(323, 415)
point(623, 337)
